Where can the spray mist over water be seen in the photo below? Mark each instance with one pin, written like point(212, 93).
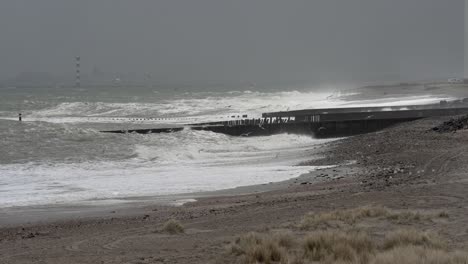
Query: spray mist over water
point(58, 156)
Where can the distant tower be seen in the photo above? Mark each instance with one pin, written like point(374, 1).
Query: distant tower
point(78, 71)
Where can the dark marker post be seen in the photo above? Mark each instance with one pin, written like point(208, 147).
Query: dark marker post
point(20, 118)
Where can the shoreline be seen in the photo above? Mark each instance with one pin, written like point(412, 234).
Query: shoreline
point(130, 206)
point(91, 208)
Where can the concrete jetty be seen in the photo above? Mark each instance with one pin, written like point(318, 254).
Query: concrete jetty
point(322, 123)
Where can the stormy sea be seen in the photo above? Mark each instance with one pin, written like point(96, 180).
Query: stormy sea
point(57, 155)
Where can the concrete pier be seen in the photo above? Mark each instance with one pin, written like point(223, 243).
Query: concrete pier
point(320, 123)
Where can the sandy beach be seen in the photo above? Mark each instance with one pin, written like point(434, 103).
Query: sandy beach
point(378, 169)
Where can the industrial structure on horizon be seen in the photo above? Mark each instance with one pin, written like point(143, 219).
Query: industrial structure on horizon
point(78, 71)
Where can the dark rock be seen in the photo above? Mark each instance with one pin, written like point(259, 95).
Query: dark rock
point(452, 125)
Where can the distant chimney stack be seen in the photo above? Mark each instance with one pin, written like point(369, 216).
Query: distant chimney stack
point(78, 71)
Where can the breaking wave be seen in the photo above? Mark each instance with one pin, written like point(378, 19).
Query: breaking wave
point(58, 155)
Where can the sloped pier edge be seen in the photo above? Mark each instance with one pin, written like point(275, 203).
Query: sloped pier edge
point(317, 123)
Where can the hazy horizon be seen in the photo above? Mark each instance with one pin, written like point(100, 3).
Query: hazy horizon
point(242, 42)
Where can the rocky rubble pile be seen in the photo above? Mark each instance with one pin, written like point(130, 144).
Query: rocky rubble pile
point(453, 125)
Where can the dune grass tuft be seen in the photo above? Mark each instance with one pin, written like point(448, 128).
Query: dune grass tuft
point(332, 246)
point(173, 227)
point(411, 237)
point(262, 248)
point(419, 255)
point(351, 247)
point(341, 241)
point(337, 218)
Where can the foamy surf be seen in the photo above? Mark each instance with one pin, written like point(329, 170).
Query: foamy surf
point(214, 107)
point(58, 156)
point(82, 183)
point(48, 163)
point(166, 166)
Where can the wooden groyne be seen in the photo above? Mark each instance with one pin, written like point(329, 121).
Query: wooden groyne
point(321, 123)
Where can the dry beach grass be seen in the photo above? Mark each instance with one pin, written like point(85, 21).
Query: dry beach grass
point(173, 226)
point(318, 241)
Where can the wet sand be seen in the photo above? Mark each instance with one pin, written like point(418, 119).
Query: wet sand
point(404, 167)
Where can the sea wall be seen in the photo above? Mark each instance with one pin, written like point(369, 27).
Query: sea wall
point(317, 129)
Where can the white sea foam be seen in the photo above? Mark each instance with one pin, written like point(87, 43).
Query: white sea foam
point(193, 161)
point(53, 158)
point(76, 183)
point(211, 108)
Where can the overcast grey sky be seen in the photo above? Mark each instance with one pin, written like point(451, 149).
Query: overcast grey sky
point(236, 40)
